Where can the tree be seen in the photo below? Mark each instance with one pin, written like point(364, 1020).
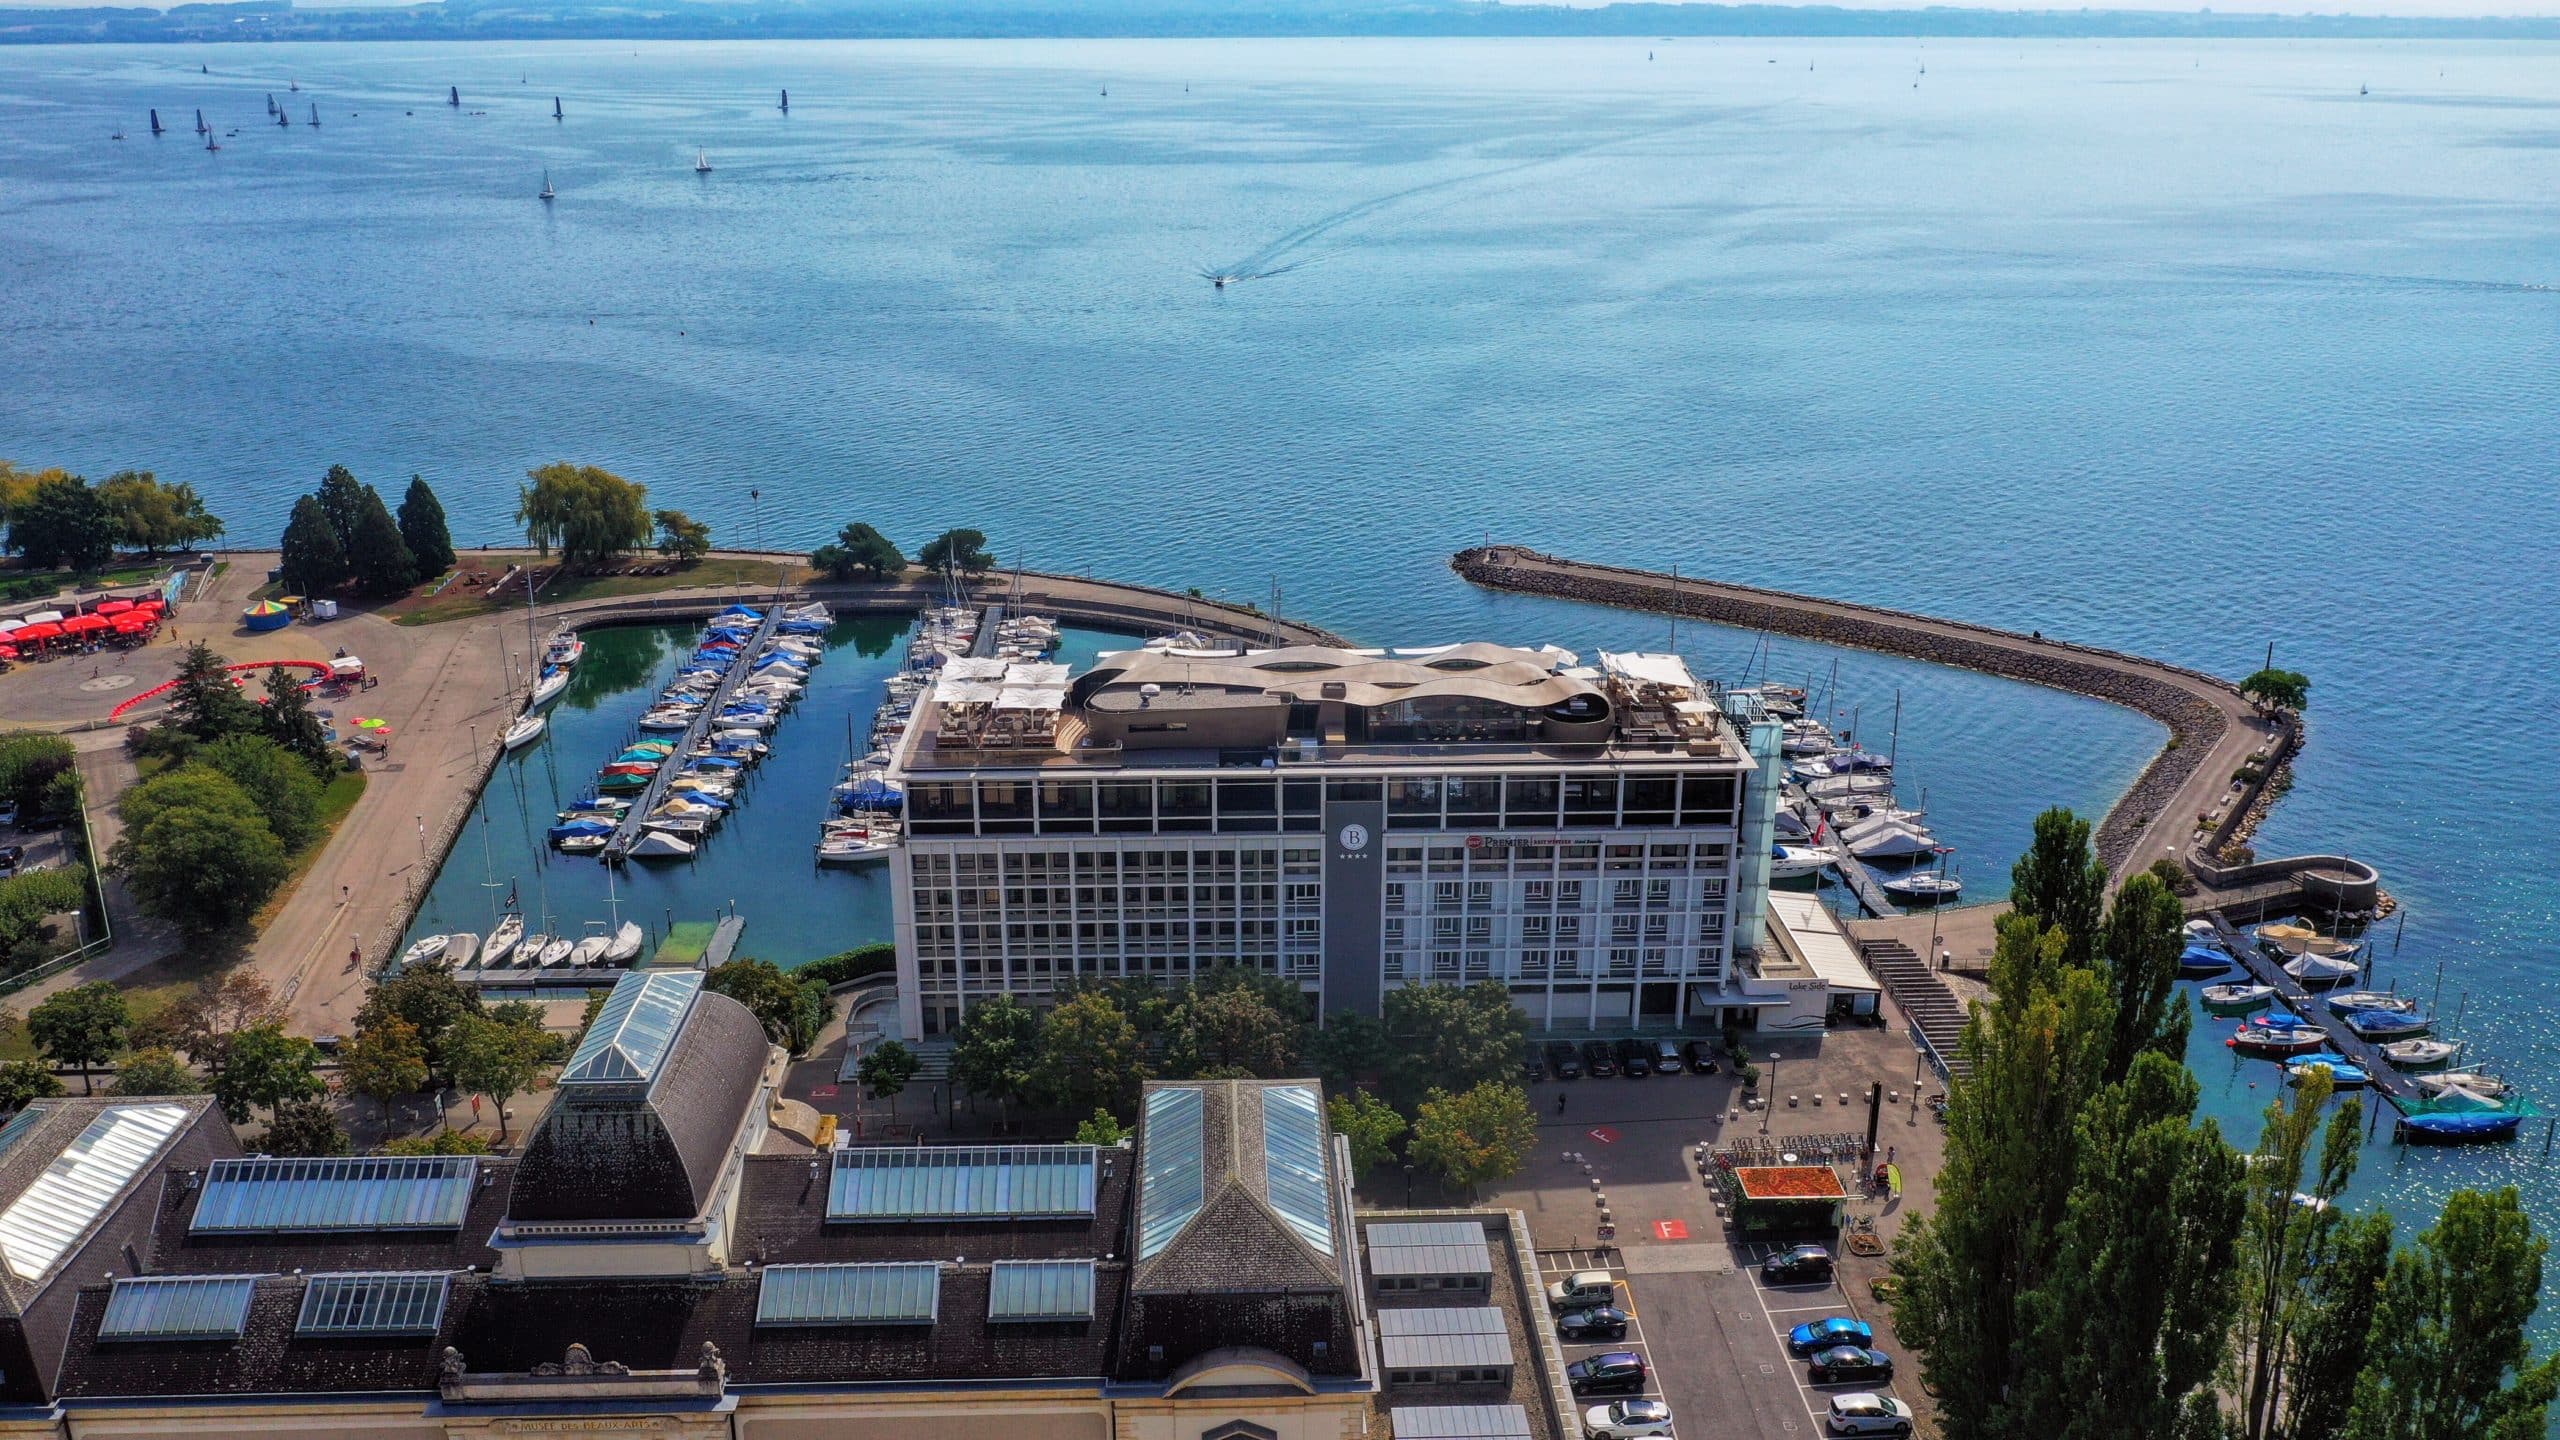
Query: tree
point(204, 865)
point(154, 1072)
point(1481, 1135)
point(314, 559)
point(385, 1061)
point(1371, 1125)
point(492, 1058)
point(200, 1024)
point(858, 550)
point(152, 517)
point(885, 1070)
point(379, 558)
point(2140, 946)
point(1234, 1029)
point(341, 501)
point(204, 703)
point(961, 550)
point(1443, 1037)
point(1090, 1056)
point(28, 764)
point(430, 1001)
point(2340, 1293)
point(2282, 1239)
point(2061, 883)
point(587, 514)
point(998, 1047)
point(2273, 689)
point(1347, 1049)
point(280, 785)
point(2447, 1357)
point(449, 1142)
point(62, 522)
point(682, 536)
point(263, 1067)
point(22, 1081)
point(422, 529)
point(1102, 1129)
point(83, 1026)
point(26, 899)
point(287, 719)
point(303, 1127)
point(791, 1010)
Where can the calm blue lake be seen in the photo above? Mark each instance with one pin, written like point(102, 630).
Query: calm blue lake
point(2187, 348)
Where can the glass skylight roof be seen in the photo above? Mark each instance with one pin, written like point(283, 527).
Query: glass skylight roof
point(1174, 1183)
point(377, 1302)
point(54, 1211)
point(1293, 1162)
point(634, 1030)
point(19, 1124)
point(426, 1192)
point(1041, 1290)
point(178, 1307)
point(895, 1294)
point(961, 1182)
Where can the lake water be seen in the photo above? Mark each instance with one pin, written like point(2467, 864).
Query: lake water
point(2186, 348)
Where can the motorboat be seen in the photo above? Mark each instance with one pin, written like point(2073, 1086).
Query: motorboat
point(2344, 1073)
point(426, 951)
point(1844, 786)
point(2469, 1082)
point(1786, 862)
point(590, 949)
point(1924, 885)
point(502, 941)
point(659, 845)
point(2278, 1020)
point(2198, 961)
point(2277, 1044)
point(555, 950)
point(529, 950)
point(583, 844)
point(2237, 995)
point(850, 851)
point(2418, 1054)
point(2350, 1000)
point(2319, 972)
point(2473, 1128)
point(624, 947)
point(2387, 1024)
point(459, 947)
point(526, 730)
point(566, 650)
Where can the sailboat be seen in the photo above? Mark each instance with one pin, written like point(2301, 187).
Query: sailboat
point(555, 109)
point(701, 163)
point(118, 135)
point(201, 127)
point(547, 192)
point(271, 102)
point(284, 118)
point(786, 102)
point(453, 96)
point(156, 127)
point(293, 85)
point(315, 114)
point(210, 143)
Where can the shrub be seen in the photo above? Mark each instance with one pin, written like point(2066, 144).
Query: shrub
point(861, 962)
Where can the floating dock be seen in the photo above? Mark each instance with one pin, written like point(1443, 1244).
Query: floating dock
point(635, 819)
point(2382, 1077)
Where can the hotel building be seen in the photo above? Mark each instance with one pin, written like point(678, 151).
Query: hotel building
point(1353, 820)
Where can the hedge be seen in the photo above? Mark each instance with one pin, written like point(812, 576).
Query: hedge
point(860, 962)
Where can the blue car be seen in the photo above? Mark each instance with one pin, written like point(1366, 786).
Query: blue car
point(1825, 1334)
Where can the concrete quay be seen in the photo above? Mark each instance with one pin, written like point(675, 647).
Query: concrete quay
point(2186, 791)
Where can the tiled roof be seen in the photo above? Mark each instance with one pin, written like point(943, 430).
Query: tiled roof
point(1236, 1239)
point(40, 1142)
point(177, 1247)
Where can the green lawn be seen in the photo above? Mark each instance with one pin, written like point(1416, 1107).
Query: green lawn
point(465, 604)
point(339, 797)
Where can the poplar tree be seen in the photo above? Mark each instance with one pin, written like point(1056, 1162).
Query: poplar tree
point(2446, 1357)
point(422, 527)
point(2060, 882)
point(2140, 949)
point(2284, 1232)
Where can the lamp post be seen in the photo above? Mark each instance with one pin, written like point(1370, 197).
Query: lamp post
point(1408, 1187)
point(1769, 1101)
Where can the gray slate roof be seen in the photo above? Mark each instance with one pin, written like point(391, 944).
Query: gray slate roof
point(1237, 1241)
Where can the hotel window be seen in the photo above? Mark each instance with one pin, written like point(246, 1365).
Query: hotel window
point(1479, 929)
point(1302, 805)
point(1651, 799)
point(1675, 856)
point(1657, 894)
point(1395, 895)
point(1533, 963)
point(1537, 892)
point(1711, 925)
point(1569, 929)
point(1711, 888)
point(1302, 861)
point(1569, 894)
point(1622, 893)
point(1706, 799)
point(1568, 964)
point(1479, 964)
point(1004, 807)
point(1657, 962)
point(1444, 894)
point(1529, 802)
point(1447, 859)
point(1536, 929)
point(1582, 855)
point(1590, 800)
point(1304, 932)
point(1626, 857)
point(1391, 933)
point(1183, 805)
point(1479, 894)
point(1128, 807)
point(1657, 928)
point(1622, 929)
point(1352, 792)
point(1414, 804)
point(939, 808)
point(1474, 802)
point(1404, 859)
point(1622, 961)
point(1303, 894)
point(1066, 807)
point(1444, 964)
point(1444, 930)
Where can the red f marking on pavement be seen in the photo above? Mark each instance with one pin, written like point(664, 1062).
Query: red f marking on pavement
point(1603, 1134)
point(1670, 1229)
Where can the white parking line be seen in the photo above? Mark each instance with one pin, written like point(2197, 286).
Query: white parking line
point(1633, 1340)
point(1817, 1400)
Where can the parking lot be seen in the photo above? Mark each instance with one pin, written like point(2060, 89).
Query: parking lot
point(1618, 1163)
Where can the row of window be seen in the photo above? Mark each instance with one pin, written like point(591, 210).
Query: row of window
point(1251, 804)
point(1502, 855)
point(1222, 862)
point(1625, 962)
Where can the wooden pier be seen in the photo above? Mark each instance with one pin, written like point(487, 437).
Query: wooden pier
point(2381, 1076)
point(635, 819)
point(1862, 883)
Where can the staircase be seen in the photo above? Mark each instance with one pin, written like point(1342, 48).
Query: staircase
point(1933, 1009)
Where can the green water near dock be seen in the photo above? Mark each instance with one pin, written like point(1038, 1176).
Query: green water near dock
point(761, 864)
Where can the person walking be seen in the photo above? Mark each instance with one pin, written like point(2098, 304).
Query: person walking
point(1559, 1103)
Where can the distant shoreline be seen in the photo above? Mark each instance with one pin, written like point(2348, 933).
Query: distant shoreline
point(460, 20)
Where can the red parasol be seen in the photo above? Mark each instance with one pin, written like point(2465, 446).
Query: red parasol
point(134, 624)
point(83, 625)
point(111, 607)
point(41, 630)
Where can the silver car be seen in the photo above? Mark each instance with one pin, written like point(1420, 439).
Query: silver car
point(1867, 1413)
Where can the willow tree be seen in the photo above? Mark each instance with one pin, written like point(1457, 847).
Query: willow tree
point(587, 514)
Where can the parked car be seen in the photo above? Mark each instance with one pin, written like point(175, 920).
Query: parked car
point(1619, 1370)
point(1867, 1413)
point(9, 813)
point(11, 857)
point(1562, 1063)
point(1533, 1066)
point(1598, 1058)
point(1591, 1287)
point(1666, 1057)
point(1598, 1322)
point(1627, 1419)
point(1850, 1362)
point(1635, 1059)
point(1797, 1266)
point(1839, 1330)
point(1702, 1057)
